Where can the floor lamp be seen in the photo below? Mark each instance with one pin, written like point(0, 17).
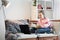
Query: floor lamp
point(5, 3)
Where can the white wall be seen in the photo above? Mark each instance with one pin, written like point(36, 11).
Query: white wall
point(2, 25)
point(18, 9)
point(56, 14)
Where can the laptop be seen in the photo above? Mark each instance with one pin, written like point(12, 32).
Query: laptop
point(25, 29)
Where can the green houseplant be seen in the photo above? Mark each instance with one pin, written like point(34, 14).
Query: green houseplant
point(34, 2)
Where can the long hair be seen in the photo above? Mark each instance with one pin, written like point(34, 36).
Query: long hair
point(42, 13)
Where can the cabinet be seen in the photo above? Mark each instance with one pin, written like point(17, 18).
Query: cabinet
point(42, 38)
point(45, 5)
point(29, 39)
point(49, 38)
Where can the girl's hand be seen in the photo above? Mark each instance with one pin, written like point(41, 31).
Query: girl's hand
point(38, 26)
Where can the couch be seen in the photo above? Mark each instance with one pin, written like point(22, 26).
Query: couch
point(13, 27)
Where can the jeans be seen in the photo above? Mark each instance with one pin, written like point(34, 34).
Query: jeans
point(43, 30)
point(33, 29)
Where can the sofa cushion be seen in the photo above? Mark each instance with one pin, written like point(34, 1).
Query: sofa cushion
point(12, 27)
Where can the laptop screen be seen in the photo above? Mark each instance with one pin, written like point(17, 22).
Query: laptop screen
point(25, 29)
